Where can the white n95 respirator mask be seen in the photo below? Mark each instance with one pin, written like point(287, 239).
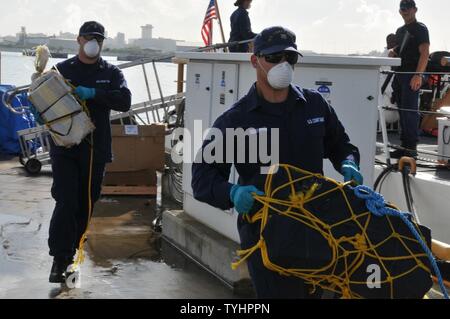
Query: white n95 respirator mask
point(280, 76)
point(92, 48)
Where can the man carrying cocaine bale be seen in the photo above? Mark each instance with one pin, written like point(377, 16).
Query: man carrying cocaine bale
point(78, 171)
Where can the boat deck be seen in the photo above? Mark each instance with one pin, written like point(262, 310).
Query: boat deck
point(426, 143)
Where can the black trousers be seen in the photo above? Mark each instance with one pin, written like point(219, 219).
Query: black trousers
point(269, 284)
point(70, 191)
point(409, 120)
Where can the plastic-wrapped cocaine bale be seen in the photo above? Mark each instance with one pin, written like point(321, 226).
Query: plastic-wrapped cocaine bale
point(47, 90)
point(65, 117)
point(71, 131)
point(64, 106)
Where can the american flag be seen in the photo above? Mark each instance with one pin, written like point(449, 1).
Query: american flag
point(207, 29)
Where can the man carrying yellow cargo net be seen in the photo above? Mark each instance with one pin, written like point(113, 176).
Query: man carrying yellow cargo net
point(308, 131)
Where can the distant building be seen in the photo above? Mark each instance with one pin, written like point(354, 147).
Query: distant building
point(120, 40)
point(188, 46)
point(10, 39)
point(21, 36)
point(160, 44)
point(67, 35)
point(148, 42)
point(63, 44)
point(31, 39)
point(34, 41)
point(36, 35)
point(147, 31)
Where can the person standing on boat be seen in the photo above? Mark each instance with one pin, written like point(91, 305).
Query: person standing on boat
point(241, 28)
point(103, 87)
point(414, 50)
point(445, 100)
point(309, 131)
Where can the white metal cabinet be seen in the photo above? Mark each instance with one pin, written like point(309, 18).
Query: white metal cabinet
point(212, 89)
point(198, 101)
point(353, 93)
point(225, 88)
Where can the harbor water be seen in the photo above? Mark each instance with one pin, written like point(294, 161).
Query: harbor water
point(17, 69)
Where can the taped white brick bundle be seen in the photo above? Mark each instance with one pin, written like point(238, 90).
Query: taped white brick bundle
point(52, 97)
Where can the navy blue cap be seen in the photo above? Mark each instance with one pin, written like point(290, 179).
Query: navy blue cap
point(407, 4)
point(92, 28)
point(274, 40)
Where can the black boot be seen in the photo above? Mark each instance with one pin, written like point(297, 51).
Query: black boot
point(59, 267)
point(397, 154)
point(408, 150)
point(411, 150)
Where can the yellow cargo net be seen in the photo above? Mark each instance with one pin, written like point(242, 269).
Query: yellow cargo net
point(326, 277)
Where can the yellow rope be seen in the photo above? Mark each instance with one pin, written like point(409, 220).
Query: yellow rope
point(80, 257)
point(326, 276)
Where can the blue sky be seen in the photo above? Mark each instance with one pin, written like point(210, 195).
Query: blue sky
point(327, 26)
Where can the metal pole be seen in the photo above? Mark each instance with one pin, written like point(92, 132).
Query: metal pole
point(160, 90)
point(149, 95)
point(180, 80)
point(219, 19)
point(385, 135)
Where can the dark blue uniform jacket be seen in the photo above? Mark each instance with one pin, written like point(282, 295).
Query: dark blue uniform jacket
point(309, 132)
point(112, 93)
point(241, 29)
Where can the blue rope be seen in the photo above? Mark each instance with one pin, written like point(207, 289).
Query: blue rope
point(377, 206)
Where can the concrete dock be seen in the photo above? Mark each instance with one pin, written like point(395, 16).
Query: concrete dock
point(125, 257)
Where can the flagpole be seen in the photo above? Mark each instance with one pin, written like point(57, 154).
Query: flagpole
point(220, 23)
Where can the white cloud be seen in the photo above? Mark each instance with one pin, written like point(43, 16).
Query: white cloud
point(320, 21)
point(73, 15)
point(374, 15)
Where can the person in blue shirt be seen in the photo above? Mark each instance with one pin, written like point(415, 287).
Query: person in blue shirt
point(103, 87)
point(308, 130)
point(241, 28)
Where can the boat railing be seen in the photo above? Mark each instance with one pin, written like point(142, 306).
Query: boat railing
point(34, 142)
point(436, 92)
point(151, 107)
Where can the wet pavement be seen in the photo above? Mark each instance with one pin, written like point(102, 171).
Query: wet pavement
point(126, 258)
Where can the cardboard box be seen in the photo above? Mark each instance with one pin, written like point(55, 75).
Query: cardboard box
point(138, 178)
point(137, 148)
point(139, 183)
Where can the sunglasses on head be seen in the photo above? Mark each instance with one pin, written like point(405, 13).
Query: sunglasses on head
point(92, 37)
point(275, 58)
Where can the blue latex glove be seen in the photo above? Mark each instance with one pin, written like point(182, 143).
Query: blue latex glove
point(350, 171)
point(85, 93)
point(242, 197)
